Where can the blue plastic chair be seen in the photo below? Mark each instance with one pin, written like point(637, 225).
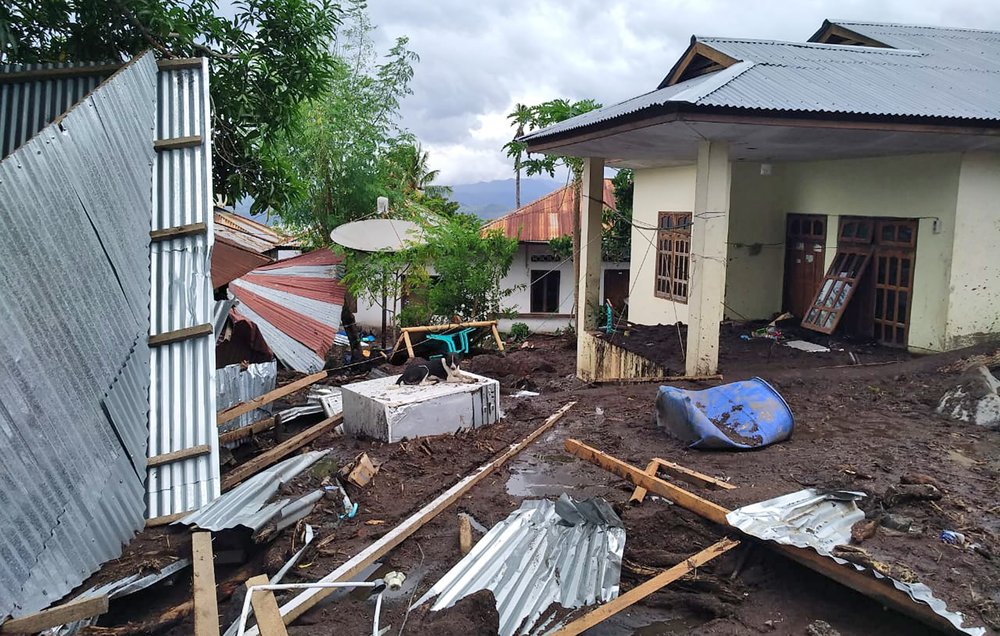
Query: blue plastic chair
point(457, 342)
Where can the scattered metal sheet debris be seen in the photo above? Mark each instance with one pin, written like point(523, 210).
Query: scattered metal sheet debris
point(246, 505)
point(567, 551)
point(822, 520)
point(236, 385)
point(321, 399)
point(803, 345)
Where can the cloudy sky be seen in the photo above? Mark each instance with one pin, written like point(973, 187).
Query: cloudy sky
point(480, 57)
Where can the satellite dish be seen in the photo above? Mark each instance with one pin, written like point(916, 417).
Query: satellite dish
point(378, 235)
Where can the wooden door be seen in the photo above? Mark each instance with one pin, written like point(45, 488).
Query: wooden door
point(805, 250)
point(895, 255)
point(616, 287)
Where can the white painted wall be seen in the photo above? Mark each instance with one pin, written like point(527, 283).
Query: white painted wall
point(656, 190)
point(974, 283)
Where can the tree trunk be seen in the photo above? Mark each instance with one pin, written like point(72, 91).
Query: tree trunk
point(517, 187)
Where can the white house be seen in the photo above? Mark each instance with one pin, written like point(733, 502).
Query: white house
point(543, 281)
point(853, 179)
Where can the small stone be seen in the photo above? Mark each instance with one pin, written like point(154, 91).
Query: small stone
point(897, 522)
point(821, 628)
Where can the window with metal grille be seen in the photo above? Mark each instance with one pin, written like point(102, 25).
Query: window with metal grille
point(544, 291)
point(673, 255)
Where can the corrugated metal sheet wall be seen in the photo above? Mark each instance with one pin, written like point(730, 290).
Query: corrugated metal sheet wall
point(182, 392)
point(74, 208)
point(27, 107)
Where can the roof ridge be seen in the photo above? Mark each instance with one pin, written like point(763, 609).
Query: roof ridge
point(814, 45)
point(929, 27)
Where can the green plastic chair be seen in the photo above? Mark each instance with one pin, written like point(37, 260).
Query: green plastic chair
point(457, 342)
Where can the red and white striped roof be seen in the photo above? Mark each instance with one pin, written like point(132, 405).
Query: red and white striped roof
point(296, 304)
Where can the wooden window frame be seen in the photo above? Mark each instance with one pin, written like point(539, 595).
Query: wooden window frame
point(543, 274)
point(837, 288)
point(677, 234)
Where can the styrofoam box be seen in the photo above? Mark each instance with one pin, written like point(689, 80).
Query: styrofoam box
point(383, 410)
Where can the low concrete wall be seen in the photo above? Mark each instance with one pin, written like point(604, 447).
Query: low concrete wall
point(600, 361)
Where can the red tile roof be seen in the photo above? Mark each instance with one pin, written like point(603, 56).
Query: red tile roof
point(546, 218)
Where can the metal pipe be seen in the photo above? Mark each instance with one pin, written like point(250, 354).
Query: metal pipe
point(378, 612)
point(245, 612)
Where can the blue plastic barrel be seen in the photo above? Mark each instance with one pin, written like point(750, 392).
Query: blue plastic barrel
point(739, 415)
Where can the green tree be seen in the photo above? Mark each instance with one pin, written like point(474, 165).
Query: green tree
point(521, 116)
point(409, 169)
point(616, 239)
point(266, 60)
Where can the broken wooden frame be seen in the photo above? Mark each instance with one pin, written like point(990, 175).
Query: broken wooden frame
point(656, 465)
point(356, 564)
point(837, 288)
point(858, 581)
point(404, 335)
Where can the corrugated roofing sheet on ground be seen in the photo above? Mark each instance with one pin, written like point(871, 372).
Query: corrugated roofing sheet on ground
point(182, 392)
point(235, 385)
point(545, 552)
point(929, 72)
point(75, 209)
point(296, 304)
point(546, 218)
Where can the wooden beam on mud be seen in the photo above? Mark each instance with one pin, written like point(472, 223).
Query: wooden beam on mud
point(206, 606)
point(640, 592)
point(640, 493)
point(692, 476)
point(863, 582)
point(232, 412)
point(285, 448)
point(265, 609)
point(75, 610)
point(308, 599)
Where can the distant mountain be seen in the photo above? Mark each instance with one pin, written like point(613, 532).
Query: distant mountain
point(490, 199)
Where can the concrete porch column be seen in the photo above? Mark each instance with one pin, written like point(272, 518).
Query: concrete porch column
point(709, 234)
point(591, 208)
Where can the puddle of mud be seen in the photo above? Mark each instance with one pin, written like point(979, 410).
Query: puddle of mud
point(550, 475)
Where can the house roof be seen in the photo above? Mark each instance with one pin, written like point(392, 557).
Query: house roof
point(249, 234)
point(905, 72)
point(546, 218)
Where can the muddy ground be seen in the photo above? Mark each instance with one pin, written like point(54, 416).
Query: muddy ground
point(865, 428)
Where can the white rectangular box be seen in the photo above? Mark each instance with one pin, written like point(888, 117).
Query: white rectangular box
point(383, 410)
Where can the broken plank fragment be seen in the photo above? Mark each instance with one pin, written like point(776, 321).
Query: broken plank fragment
point(178, 232)
point(363, 471)
point(176, 143)
point(74, 610)
point(692, 476)
point(232, 412)
point(464, 534)
point(166, 519)
point(168, 458)
point(179, 335)
point(206, 607)
point(308, 599)
point(704, 507)
point(287, 447)
point(640, 592)
point(265, 609)
point(247, 431)
point(640, 493)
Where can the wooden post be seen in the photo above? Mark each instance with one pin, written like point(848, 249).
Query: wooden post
point(265, 609)
point(206, 607)
point(464, 534)
point(75, 610)
point(640, 592)
point(496, 336)
point(640, 493)
point(409, 344)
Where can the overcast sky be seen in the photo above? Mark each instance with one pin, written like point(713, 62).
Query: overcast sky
point(480, 57)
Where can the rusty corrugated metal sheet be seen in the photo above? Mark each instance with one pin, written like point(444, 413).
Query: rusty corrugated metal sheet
point(546, 218)
point(231, 260)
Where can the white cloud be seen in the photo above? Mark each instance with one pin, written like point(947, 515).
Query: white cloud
point(480, 58)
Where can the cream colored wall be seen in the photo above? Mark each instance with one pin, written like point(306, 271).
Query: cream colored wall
point(974, 302)
point(756, 255)
point(656, 190)
point(918, 186)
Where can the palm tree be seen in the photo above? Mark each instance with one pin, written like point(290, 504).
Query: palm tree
point(521, 116)
point(411, 169)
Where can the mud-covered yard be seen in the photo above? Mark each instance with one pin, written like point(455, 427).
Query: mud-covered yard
point(867, 428)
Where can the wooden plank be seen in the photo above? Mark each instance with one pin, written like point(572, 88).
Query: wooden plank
point(456, 325)
point(179, 335)
point(496, 336)
point(704, 507)
point(206, 607)
point(74, 610)
point(640, 592)
point(409, 345)
point(861, 582)
point(287, 447)
point(692, 476)
point(665, 378)
point(640, 493)
point(166, 519)
point(178, 63)
point(356, 564)
point(43, 74)
point(232, 412)
point(178, 232)
point(464, 534)
point(177, 143)
point(168, 458)
point(265, 609)
point(247, 431)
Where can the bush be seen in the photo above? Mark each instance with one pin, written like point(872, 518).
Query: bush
point(519, 332)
